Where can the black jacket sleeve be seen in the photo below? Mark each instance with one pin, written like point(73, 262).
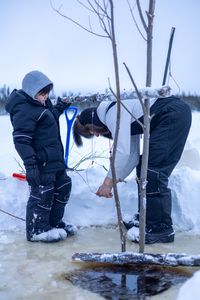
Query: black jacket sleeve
point(24, 125)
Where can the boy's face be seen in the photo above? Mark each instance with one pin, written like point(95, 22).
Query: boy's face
point(41, 97)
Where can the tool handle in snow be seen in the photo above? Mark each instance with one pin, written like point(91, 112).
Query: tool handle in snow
point(70, 120)
point(168, 55)
point(19, 176)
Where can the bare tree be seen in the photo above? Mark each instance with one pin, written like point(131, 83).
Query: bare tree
point(148, 37)
point(148, 28)
point(145, 155)
point(104, 10)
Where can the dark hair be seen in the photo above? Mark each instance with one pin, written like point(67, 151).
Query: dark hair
point(46, 89)
point(80, 130)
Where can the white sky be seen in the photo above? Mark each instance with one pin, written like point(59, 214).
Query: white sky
point(34, 37)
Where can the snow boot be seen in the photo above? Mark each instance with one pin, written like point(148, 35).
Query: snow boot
point(132, 223)
point(69, 228)
point(164, 234)
point(51, 236)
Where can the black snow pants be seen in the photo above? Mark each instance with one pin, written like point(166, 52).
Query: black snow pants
point(46, 204)
point(168, 133)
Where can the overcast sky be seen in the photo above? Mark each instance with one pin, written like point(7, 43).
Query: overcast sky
point(34, 37)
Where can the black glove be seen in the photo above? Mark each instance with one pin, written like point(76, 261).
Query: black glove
point(63, 103)
point(33, 175)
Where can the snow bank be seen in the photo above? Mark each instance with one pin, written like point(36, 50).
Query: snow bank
point(85, 208)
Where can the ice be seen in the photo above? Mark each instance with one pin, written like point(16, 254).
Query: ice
point(190, 289)
point(36, 270)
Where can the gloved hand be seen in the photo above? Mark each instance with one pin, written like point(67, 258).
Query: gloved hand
point(63, 103)
point(32, 175)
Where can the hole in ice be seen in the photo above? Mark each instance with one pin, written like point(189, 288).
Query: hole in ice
point(126, 282)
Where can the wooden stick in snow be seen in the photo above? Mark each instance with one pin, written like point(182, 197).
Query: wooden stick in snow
point(130, 258)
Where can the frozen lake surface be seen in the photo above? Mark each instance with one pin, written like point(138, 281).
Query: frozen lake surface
point(36, 270)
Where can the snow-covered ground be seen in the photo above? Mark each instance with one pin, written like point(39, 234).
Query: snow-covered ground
point(86, 209)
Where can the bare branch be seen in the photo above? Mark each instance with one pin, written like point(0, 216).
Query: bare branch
point(101, 14)
point(9, 214)
point(103, 9)
point(124, 106)
point(140, 123)
point(110, 88)
point(141, 15)
point(112, 159)
point(96, 11)
point(20, 166)
point(77, 23)
point(150, 16)
point(131, 10)
point(85, 6)
point(104, 27)
point(108, 18)
point(135, 86)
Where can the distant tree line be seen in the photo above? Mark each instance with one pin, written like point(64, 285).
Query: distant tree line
point(4, 93)
point(192, 100)
point(84, 101)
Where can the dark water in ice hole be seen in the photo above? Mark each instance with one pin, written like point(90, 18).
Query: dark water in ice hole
point(122, 283)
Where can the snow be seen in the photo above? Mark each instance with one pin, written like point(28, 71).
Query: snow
point(85, 208)
point(133, 234)
point(190, 289)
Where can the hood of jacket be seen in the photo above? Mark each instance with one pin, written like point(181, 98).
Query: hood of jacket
point(18, 98)
point(33, 82)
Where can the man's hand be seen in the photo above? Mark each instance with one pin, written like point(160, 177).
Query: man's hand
point(105, 190)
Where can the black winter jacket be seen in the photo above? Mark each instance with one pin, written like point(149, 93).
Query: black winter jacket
point(36, 132)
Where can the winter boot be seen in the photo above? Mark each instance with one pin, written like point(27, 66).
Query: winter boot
point(132, 223)
point(69, 228)
point(51, 236)
point(163, 234)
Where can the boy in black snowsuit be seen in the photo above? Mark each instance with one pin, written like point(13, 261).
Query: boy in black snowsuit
point(36, 136)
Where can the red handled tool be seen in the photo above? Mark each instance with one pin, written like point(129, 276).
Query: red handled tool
point(19, 176)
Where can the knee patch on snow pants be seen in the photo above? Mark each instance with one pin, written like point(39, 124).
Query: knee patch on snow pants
point(62, 192)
